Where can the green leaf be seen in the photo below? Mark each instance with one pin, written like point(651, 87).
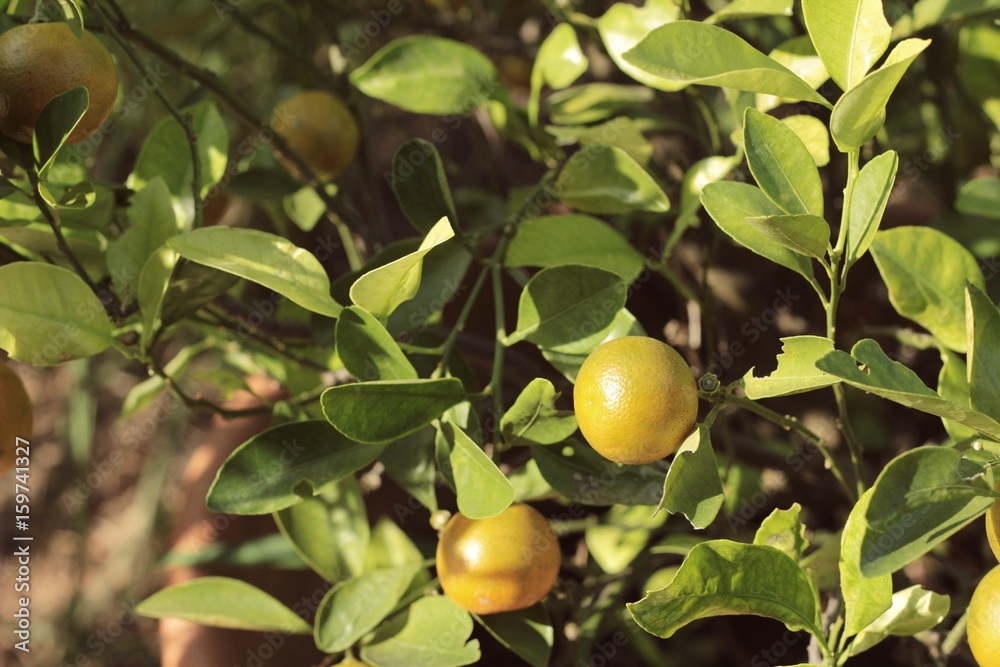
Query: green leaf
point(782, 165)
point(926, 272)
point(154, 280)
point(625, 133)
point(621, 536)
point(193, 286)
point(352, 609)
point(807, 235)
point(431, 75)
point(330, 530)
point(405, 642)
point(605, 180)
point(528, 633)
point(871, 195)
point(894, 381)
point(568, 359)
point(849, 35)
point(410, 463)
point(913, 610)
point(534, 418)
point(56, 122)
point(386, 410)
point(563, 304)
point(582, 475)
point(928, 13)
point(783, 530)
point(382, 290)
point(153, 222)
point(49, 316)
point(980, 196)
point(799, 56)
point(558, 240)
point(860, 112)
point(305, 207)
point(984, 352)
point(750, 9)
point(624, 25)
point(262, 258)
point(165, 152)
point(223, 603)
point(865, 599)
point(698, 175)
point(420, 184)
point(953, 385)
point(730, 204)
point(593, 102)
point(692, 52)
point(482, 490)
point(796, 372)
point(723, 578)
point(367, 350)
point(559, 63)
point(283, 465)
point(391, 547)
point(692, 486)
point(921, 498)
point(813, 134)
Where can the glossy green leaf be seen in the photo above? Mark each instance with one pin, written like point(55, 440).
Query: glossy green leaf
point(605, 180)
point(558, 240)
point(560, 62)
point(860, 112)
point(410, 463)
point(568, 359)
point(305, 207)
point(692, 52)
point(692, 486)
point(283, 465)
point(593, 102)
point(262, 258)
point(194, 285)
point(56, 122)
point(440, 284)
point(782, 165)
point(352, 609)
point(871, 195)
point(783, 530)
point(48, 315)
point(564, 304)
point(367, 350)
point(865, 598)
point(750, 9)
point(984, 352)
point(913, 610)
point(330, 530)
point(528, 633)
point(223, 603)
point(700, 174)
point(625, 25)
point(800, 57)
point(796, 371)
point(431, 75)
point(807, 235)
point(723, 578)
point(382, 290)
point(625, 133)
point(621, 536)
point(878, 374)
point(391, 547)
point(386, 410)
point(980, 196)
point(730, 204)
point(921, 498)
point(534, 418)
point(926, 272)
point(582, 475)
point(953, 385)
point(814, 135)
point(849, 35)
point(154, 280)
point(152, 223)
point(404, 642)
point(420, 184)
point(482, 490)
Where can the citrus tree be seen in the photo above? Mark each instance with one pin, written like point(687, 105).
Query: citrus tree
point(666, 143)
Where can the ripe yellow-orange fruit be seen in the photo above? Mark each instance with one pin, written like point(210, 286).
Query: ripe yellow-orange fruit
point(984, 620)
point(993, 528)
point(40, 61)
point(635, 400)
point(16, 416)
point(507, 562)
point(321, 129)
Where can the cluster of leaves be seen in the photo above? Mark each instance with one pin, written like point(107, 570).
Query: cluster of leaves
point(132, 273)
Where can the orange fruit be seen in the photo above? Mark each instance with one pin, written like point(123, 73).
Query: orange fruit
point(39, 61)
point(993, 528)
point(320, 128)
point(507, 562)
point(984, 620)
point(16, 417)
point(635, 400)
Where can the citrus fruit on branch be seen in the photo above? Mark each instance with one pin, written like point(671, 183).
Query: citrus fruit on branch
point(635, 400)
point(506, 562)
point(40, 61)
point(984, 620)
point(320, 128)
point(16, 417)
